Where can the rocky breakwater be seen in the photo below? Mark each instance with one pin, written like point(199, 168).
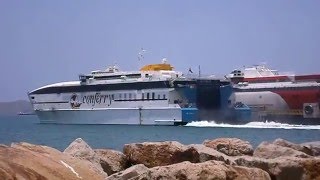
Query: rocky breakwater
point(223, 158)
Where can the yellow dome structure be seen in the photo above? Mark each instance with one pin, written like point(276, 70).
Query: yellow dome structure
point(157, 67)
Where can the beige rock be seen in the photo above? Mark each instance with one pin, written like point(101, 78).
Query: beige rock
point(270, 151)
point(134, 172)
point(111, 161)
point(313, 146)
point(153, 154)
point(188, 170)
point(206, 154)
point(80, 149)
point(230, 146)
point(28, 161)
point(284, 168)
point(298, 147)
point(205, 170)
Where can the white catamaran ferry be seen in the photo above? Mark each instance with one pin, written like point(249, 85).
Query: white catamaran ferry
point(110, 96)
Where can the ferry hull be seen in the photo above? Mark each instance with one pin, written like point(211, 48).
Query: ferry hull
point(132, 116)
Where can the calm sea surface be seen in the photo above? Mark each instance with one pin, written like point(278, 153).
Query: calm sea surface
point(28, 129)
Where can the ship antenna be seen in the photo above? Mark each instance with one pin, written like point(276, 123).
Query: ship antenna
point(141, 56)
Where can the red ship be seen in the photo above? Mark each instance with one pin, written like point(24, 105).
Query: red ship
point(278, 97)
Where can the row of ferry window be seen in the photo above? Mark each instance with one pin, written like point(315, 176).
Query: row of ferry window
point(144, 96)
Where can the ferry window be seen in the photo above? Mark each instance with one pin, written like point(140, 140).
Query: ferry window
point(164, 96)
point(130, 96)
point(142, 96)
point(120, 96)
point(125, 96)
point(112, 96)
point(153, 95)
point(148, 96)
point(158, 96)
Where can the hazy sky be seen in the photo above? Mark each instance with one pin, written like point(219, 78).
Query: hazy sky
point(43, 42)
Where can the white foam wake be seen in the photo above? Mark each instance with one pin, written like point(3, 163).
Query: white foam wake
point(270, 125)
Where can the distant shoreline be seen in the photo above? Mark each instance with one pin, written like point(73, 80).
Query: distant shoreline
point(26, 113)
point(22, 107)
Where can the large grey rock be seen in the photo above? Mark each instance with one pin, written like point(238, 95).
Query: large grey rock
point(28, 161)
point(298, 147)
point(153, 154)
point(80, 149)
point(313, 146)
point(188, 170)
point(206, 170)
point(284, 168)
point(111, 161)
point(134, 172)
point(230, 146)
point(270, 151)
point(206, 154)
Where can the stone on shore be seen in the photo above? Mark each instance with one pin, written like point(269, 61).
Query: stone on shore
point(134, 172)
point(188, 170)
point(80, 149)
point(298, 147)
point(28, 161)
point(313, 146)
point(111, 161)
point(278, 160)
point(207, 170)
point(292, 168)
point(230, 146)
point(270, 151)
point(153, 154)
point(206, 154)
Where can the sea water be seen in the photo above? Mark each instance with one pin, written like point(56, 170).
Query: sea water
point(28, 129)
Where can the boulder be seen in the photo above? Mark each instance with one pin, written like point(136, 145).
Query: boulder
point(205, 170)
point(283, 168)
point(230, 146)
point(80, 149)
point(270, 151)
point(10, 170)
point(313, 146)
point(134, 172)
point(28, 161)
point(111, 161)
point(298, 147)
point(153, 154)
point(206, 154)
